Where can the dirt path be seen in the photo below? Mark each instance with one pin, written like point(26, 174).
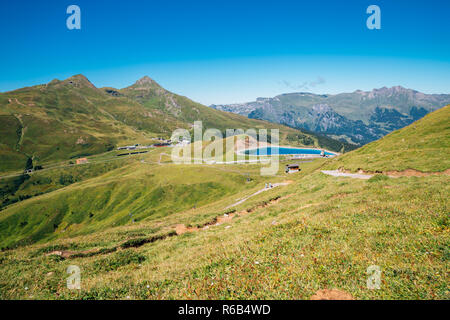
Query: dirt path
point(181, 228)
point(415, 173)
point(332, 294)
point(392, 174)
point(258, 192)
point(337, 173)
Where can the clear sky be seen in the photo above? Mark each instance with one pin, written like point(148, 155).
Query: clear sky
point(229, 51)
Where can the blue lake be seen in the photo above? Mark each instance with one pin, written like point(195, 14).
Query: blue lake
point(284, 151)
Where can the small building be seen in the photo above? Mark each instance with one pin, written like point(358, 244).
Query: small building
point(291, 168)
point(133, 147)
point(82, 161)
point(159, 145)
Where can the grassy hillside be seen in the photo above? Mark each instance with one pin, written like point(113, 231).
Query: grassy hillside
point(316, 233)
point(423, 145)
point(67, 119)
point(125, 195)
point(149, 229)
point(72, 118)
point(24, 186)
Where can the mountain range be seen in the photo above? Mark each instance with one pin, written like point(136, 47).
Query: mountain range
point(359, 117)
point(66, 119)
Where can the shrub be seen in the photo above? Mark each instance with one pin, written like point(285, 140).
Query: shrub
point(137, 242)
point(230, 211)
point(51, 248)
point(377, 178)
point(94, 253)
point(117, 260)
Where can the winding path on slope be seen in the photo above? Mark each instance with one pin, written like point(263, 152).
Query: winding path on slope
point(391, 174)
point(337, 173)
point(258, 192)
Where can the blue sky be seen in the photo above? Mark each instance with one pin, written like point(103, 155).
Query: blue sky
point(229, 51)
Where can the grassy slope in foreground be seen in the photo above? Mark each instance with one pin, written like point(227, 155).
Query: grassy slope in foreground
point(323, 233)
point(423, 145)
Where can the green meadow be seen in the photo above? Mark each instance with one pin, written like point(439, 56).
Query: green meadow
point(120, 223)
point(317, 232)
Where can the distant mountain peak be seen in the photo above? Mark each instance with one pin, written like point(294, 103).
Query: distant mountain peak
point(78, 80)
point(148, 84)
point(79, 77)
point(322, 108)
point(394, 89)
point(145, 80)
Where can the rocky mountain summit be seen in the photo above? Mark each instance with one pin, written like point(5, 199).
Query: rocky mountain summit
point(359, 117)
